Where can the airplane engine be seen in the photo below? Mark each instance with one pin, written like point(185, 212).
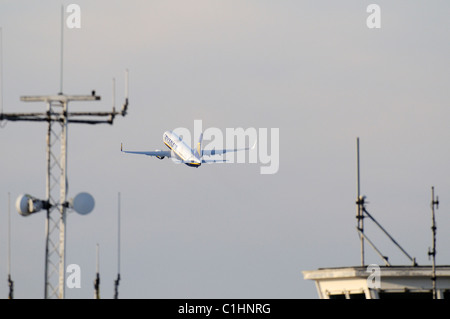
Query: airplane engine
point(159, 157)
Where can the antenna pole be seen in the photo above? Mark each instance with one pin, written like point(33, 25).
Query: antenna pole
point(359, 205)
point(9, 234)
point(10, 282)
point(62, 52)
point(126, 85)
point(432, 253)
point(116, 282)
point(357, 168)
point(1, 70)
point(97, 278)
point(114, 93)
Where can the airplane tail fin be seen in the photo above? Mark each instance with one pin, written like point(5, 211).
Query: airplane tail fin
point(198, 149)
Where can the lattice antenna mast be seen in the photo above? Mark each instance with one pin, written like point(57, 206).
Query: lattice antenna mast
point(58, 117)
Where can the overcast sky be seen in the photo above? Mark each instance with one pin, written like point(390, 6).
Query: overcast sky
point(314, 71)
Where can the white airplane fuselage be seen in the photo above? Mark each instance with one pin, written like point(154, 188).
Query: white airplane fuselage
point(181, 150)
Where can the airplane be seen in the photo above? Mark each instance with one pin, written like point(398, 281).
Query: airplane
point(183, 153)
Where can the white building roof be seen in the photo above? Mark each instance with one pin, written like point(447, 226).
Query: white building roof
point(373, 281)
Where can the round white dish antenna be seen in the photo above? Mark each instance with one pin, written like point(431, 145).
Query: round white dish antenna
point(83, 203)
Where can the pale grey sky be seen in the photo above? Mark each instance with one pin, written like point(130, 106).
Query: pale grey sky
point(315, 71)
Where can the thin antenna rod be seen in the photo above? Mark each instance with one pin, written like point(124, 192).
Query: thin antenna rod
point(10, 282)
point(97, 264)
point(114, 93)
point(118, 233)
point(116, 282)
point(97, 278)
point(9, 234)
point(125, 105)
point(359, 204)
point(126, 84)
point(1, 71)
point(358, 189)
point(432, 253)
point(62, 51)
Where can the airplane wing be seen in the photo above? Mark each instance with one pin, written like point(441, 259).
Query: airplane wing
point(220, 152)
point(213, 161)
point(157, 153)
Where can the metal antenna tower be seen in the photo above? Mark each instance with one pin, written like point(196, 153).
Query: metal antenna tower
point(58, 116)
